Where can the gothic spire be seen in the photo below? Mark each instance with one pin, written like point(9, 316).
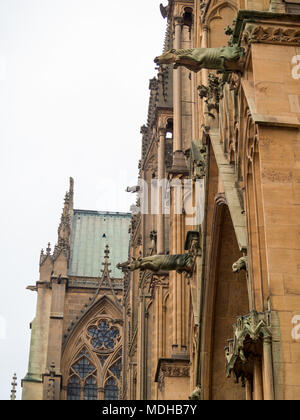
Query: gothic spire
point(65, 226)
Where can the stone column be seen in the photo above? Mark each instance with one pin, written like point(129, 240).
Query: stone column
point(257, 381)
point(141, 349)
point(205, 30)
point(56, 328)
point(268, 369)
point(101, 392)
point(32, 384)
point(177, 281)
point(161, 176)
point(177, 145)
point(204, 75)
point(56, 323)
point(248, 390)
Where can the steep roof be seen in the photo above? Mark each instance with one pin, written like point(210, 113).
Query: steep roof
point(92, 231)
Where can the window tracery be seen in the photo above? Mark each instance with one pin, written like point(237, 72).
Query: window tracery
point(104, 336)
point(111, 391)
point(96, 371)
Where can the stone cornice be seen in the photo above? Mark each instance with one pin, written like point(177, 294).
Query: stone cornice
point(271, 34)
point(171, 368)
point(274, 27)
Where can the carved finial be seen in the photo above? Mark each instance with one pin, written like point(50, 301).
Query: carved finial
point(106, 262)
point(13, 390)
point(48, 249)
point(106, 252)
point(64, 229)
point(71, 189)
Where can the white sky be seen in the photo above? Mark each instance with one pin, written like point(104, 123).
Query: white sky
point(74, 78)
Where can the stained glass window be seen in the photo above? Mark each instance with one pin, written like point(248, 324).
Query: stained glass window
point(111, 390)
point(90, 389)
point(116, 368)
point(73, 390)
point(84, 353)
point(102, 359)
point(103, 336)
point(83, 367)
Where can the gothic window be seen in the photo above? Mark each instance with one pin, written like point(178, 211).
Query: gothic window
point(73, 390)
point(116, 367)
point(81, 384)
point(111, 391)
point(102, 359)
point(90, 389)
point(103, 336)
point(97, 364)
point(83, 367)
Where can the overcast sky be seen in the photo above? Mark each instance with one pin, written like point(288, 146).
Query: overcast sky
point(74, 78)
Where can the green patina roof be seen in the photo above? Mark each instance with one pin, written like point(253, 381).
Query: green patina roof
point(88, 242)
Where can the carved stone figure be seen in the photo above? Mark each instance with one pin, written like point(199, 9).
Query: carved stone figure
point(195, 59)
point(198, 161)
point(241, 264)
point(196, 394)
point(181, 263)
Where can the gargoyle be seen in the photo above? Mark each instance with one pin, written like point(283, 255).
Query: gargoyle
point(224, 59)
point(181, 263)
point(241, 264)
point(196, 394)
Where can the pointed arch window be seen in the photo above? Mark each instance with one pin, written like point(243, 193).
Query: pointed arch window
point(96, 371)
point(83, 367)
point(116, 367)
point(74, 388)
point(82, 383)
point(111, 391)
point(90, 389)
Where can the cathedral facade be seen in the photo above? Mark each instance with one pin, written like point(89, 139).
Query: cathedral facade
point(223, 136)
point(205, 302)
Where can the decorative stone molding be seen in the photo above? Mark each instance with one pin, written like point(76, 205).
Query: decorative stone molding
point(175, 368)
point(213, 92)
point(198, 157)
point(274, 34)
point(159, 280)
point(249, 333)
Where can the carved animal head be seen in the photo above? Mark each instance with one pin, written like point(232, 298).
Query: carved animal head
point(196, 394)
point(135, 264)
point(167, 58)
point(241, 264)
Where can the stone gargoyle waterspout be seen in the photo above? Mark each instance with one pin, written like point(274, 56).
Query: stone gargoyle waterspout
point(181, 263)
point(224, 59)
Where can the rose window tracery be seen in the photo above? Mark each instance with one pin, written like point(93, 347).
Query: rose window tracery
point(104, 336)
